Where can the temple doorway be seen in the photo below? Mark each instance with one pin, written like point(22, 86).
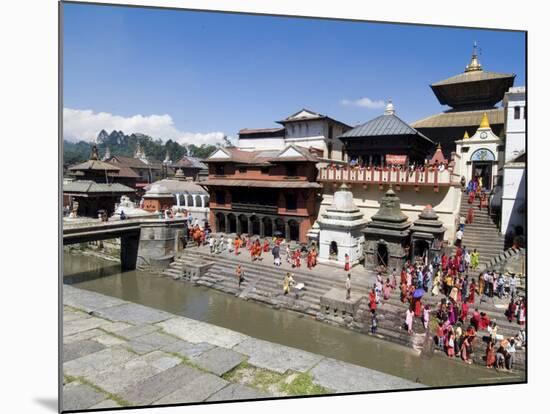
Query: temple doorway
point(255, 225)
point(483, 169)
point(421, 250)
point(333, 250)
point(382, 255)
point(243, 224)
point(220, 223)
point(232, 223)
point(294, 230)
point(268, 226)
point(279, 227)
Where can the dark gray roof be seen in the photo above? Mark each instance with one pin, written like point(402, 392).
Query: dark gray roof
point(383, 125)
point(86, 186)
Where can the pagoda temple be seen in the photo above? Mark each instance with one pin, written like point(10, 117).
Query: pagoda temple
point(469, 95)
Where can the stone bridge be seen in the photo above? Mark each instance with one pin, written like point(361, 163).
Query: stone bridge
point(143, 241)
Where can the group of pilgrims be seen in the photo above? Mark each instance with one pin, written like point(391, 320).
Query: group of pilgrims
point(256, 247)
point(454, 322)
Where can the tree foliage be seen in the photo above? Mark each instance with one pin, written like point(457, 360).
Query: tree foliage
point(125, 145)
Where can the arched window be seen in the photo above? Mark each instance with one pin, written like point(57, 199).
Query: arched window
point(516, 112)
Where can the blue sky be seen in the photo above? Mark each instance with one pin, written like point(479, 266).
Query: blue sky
point(215, 73)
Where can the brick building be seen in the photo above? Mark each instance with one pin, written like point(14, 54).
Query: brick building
point(263, 193)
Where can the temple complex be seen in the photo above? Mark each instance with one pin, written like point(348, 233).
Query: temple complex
point(95, 187)
point(387, 151)
point(469, 95)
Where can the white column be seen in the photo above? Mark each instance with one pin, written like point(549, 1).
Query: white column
point(203, 200)
point(178, 199)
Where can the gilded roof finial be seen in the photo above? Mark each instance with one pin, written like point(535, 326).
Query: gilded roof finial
point(466, 136)
point(485, 121)
point(439, 145)
point(95, 155)
point(474, 63)
point(390, 109)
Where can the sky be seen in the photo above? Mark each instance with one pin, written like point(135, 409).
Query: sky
point(196, 76)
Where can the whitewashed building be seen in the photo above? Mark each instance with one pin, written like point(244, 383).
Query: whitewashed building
point(305, 128)
point(513, 184)
point(340, 229)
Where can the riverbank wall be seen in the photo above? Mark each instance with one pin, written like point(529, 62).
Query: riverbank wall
point(118, 353)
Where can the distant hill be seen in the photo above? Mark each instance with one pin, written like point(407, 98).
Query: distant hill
point(122, 144)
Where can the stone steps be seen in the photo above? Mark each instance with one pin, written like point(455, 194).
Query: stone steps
point(267, 281)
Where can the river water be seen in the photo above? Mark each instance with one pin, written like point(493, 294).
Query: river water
point(279, 326)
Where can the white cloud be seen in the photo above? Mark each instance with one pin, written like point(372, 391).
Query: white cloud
point(364, 103)
point(79, 124)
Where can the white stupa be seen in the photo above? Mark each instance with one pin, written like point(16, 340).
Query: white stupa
point(340, 229)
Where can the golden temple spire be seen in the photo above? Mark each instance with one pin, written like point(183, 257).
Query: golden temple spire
point(474, 63)
point(466, 136)
point(484, 122)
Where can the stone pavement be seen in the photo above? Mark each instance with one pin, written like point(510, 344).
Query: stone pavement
point(117, 353)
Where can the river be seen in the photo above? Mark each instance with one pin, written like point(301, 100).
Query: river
point(280, 326)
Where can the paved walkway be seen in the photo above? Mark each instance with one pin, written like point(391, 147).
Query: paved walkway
point(117, 353)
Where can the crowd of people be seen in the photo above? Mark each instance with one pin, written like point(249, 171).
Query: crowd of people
point(358, 164)
point(456, 323)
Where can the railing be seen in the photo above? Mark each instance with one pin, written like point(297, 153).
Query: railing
point(415, 177)
point(259, 208)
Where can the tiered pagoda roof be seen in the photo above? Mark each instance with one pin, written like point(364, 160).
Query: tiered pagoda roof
point(389, 220)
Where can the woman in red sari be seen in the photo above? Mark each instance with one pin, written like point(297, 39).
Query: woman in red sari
point(346, 265)
point(470, 217)
point(266, 246)
point(297, 258)
point(472, 295)
point(417, 307)
point(314, 257)
point(372, 300)
point(471, 197)
point(310, 259)
point(444, 261)
point(483, 203)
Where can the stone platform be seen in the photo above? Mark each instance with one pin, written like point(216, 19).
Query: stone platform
point(117, 353)
point(334, 301)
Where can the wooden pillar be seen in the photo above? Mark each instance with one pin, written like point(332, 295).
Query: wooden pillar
point(262, 228)
point(227, 224)
point(249, 225)
point(287, 230)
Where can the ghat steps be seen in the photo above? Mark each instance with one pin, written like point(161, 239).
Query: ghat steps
point(482, 234)
point(263, 283)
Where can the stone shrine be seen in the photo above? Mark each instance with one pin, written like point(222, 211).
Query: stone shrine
point(387, 235)
point(427, 235)
point(340, 229)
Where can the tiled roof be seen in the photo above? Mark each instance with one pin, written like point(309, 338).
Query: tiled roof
point(86, 186)
point(474, 76)
point(265, 157)
point(133, 162)
point(460, 118)
point(190, 162)
point(94, 165)
point(383, 125)
point(179, 186)
point(260, 183)
point(259, 130)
